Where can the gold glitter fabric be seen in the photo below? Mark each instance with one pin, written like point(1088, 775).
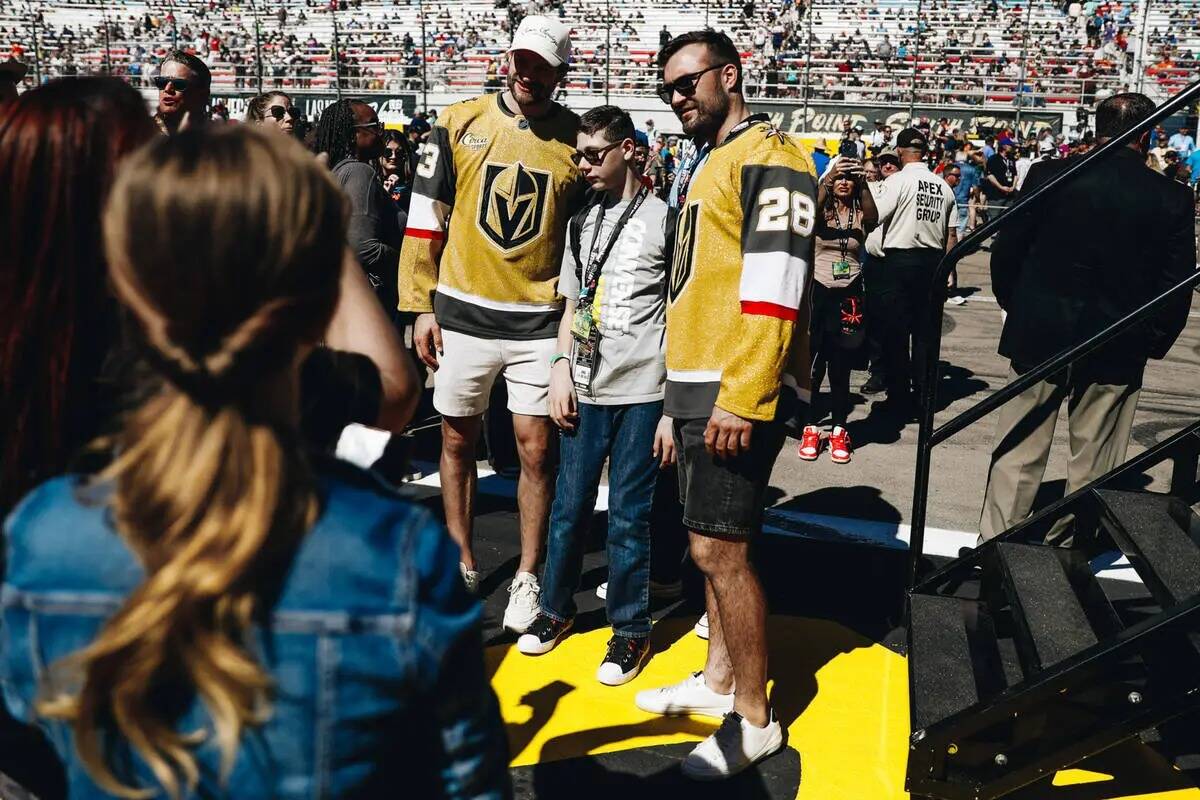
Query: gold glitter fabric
point(491, 198)
point(739, 294)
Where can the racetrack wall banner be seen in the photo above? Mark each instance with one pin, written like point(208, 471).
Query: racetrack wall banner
point(312, 105)
point(827, 118)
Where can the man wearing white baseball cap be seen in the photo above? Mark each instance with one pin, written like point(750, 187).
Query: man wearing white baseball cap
point(546, 37)
point(483, 281)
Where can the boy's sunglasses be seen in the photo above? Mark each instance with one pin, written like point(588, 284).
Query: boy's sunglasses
point(593, 157)
point(685, 84)
point(181, 84)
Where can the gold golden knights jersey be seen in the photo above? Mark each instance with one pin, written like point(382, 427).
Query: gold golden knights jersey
point(741, 275)
point(491, 197)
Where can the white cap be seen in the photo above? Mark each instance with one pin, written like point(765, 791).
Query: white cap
point(548, 38)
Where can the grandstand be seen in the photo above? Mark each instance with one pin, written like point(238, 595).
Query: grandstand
point(982, 53)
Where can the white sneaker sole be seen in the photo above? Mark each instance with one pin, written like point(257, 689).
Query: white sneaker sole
point(621, 680)
point(538, 648)
point(701, 631)
point(678, 710)
point(701, 771)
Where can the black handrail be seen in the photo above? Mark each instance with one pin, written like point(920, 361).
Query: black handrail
point(928, 437)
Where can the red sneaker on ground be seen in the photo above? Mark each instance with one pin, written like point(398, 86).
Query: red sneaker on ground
point(839, 446)
point(810, 443)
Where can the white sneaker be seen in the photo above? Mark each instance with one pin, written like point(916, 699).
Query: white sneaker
point(623, 661)
point(956, 300)
point(470, 577)
point(734, 746)
point(689, 696)
point(701, 628)
point(602, 591)
point(524, 597)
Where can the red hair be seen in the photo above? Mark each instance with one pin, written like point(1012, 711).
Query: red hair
point(59, 147)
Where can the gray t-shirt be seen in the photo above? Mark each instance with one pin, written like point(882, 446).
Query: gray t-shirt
point(631, 298)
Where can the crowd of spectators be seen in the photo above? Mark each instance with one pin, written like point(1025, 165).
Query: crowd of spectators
point(957, 52)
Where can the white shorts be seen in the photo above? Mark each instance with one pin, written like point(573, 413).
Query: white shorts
point(469, 367)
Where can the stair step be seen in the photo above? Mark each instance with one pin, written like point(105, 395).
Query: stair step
point(939, 659)
point(1151, 529)
point(1052, 624)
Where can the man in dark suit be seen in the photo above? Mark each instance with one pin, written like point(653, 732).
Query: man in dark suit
point(1090, 253)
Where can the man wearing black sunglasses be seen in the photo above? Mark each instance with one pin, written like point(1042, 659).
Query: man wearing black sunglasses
point(737, 376)
point(183, 84)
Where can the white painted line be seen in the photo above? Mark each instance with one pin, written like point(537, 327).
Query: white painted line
point(493, 484)
point(939, 542)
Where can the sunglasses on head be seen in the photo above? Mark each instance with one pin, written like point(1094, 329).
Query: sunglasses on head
point(685, 84)
point(376, 126)
point(593, 157)
point(278, 112)
point(180, 84)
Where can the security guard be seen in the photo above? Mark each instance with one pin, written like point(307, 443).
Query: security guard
point(919, 219)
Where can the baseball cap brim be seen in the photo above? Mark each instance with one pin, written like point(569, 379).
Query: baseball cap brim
point(544, 53)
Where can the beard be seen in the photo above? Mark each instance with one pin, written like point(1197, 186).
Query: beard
point(537, 93)
point(709, 115)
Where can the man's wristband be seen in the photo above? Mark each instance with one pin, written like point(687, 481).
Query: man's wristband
point(554, 359)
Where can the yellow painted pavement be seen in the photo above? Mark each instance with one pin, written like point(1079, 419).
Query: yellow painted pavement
point(842, 698)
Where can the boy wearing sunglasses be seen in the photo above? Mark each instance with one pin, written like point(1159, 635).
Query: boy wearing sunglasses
point(183, 84)
point(606, 390)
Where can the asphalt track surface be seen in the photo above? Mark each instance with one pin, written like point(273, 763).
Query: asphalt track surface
point(833, 570)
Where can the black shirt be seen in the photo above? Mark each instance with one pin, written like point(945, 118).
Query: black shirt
point(1004, 171)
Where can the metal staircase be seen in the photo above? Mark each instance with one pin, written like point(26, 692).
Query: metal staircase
point(1022, 662)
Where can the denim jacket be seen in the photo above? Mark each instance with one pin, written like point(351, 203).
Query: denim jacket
point(373, 645)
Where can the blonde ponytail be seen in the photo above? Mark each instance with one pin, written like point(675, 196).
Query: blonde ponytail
point(211, 492)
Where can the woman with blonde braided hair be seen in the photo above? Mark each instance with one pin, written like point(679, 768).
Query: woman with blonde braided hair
point(222, 613)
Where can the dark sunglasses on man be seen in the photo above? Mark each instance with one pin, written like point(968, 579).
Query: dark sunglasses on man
point(180, 84)
point(278, 112)
point(593, 157)
point(685, 84)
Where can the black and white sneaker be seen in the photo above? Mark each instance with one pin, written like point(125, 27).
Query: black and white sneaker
point(624, 660)
point(543, 635)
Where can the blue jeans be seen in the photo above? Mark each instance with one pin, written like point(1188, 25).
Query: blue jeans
point(625, 436)
point(963, 213)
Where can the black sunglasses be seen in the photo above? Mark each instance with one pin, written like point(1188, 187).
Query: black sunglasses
point(685, 84)
point(278, 112)
point(181, 84)
point(593, 157)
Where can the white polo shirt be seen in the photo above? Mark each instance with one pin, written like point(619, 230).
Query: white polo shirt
point(916, 209)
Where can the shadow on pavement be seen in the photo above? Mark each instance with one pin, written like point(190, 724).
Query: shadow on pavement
point(653, 773)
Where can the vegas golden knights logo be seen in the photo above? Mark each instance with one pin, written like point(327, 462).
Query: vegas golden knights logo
point(685, 251)
point(512, 205)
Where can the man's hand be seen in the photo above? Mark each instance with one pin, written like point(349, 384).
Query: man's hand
point(727, 434)
point(563, 410)
point(664, 443)
point(427, 336)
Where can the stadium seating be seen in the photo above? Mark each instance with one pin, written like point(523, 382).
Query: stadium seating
point(974, 52)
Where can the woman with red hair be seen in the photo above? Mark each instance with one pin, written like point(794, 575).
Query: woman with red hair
point(59, 148)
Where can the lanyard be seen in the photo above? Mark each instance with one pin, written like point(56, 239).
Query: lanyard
point(591, 275)
point(843, 234)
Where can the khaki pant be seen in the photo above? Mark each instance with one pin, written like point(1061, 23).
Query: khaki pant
point(1099, 417)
